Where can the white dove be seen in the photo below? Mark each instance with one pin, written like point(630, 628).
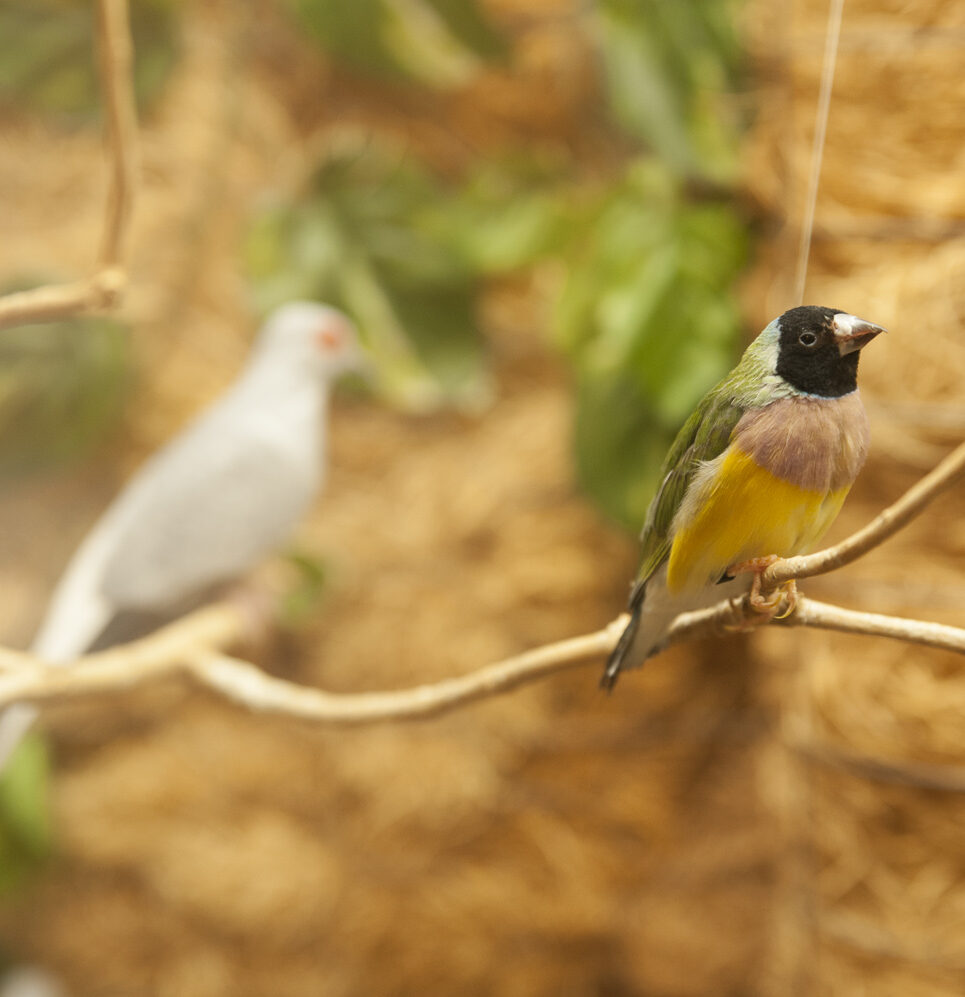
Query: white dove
point(224, 493)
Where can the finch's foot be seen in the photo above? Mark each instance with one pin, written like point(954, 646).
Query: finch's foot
point(765, 607)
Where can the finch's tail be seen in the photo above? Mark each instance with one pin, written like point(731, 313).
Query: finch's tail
point(614, 663)
point(652, 610)
point(618, 656)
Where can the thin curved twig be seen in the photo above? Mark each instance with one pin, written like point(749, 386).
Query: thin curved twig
point(193, 645)
point(117, 73)
point(164, 651)
point(948, 473)
point(823, 615)
point(104, 288)
point(244, 684)
point(189, 647)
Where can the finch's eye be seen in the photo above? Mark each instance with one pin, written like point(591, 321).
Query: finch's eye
point(807, 339)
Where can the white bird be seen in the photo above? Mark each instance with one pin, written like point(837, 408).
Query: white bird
point(219, 497)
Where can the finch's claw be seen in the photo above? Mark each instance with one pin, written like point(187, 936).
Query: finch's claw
point(765, 606)
point(789, 591)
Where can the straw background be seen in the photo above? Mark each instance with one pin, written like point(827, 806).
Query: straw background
point(869, 780)
point(766, 815)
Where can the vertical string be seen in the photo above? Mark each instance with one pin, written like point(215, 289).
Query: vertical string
point(831, 37)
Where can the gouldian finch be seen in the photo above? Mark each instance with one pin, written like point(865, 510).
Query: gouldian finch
point(224, 493)
point(759, 470)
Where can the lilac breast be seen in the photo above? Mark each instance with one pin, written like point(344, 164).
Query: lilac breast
point(815, 443)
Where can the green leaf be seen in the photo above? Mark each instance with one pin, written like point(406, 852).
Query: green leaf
point(466, 21)
point(439, 43)
point(371, 235)
point(301, 599)
point(349, 31)
point(647, 102)
point(619, 444)
point(503, 219)
point(436, 320)
point(628, 232)
point(25, 832)
point(423, 47)
point(648, 317)
point(668, 69)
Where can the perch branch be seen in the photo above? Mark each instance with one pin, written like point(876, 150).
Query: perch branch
point(245, 685)
point(824, 616)
point(104, 288)
point(194, 645)
point(948, 473)
point(188, 647)
point(25, 677)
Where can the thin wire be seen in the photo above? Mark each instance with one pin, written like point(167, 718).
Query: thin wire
point(817, 151)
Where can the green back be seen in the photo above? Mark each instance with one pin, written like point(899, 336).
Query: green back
point(704, 436)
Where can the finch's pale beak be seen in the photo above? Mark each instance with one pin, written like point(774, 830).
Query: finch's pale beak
point(852, 333)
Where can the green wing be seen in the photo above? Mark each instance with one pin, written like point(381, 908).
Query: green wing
point(704, 436)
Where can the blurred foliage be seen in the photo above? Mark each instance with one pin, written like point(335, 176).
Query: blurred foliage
point(668, 67)
point(61, 387)
point(644, 258)
point(649, 319)
point(48, 52)
point(439, 43)
point(300, 601)
point(644, 310)
point(25, 832)
point(366, 236)
point(509, 214)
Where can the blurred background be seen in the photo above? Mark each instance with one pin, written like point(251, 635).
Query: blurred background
point(556, 222)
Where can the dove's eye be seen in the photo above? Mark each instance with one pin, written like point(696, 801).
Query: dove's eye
point(807, 339)
point(329, 338)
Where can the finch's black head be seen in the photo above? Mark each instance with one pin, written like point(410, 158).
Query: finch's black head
point(818, 349)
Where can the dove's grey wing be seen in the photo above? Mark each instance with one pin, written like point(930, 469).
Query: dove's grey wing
point(198, 513)
point(204, 511)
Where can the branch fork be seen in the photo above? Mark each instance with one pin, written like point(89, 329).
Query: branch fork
point(103, 290)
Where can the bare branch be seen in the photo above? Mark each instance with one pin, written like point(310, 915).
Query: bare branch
point(102, 290)
point(116, 59)
point(811, 613)
point(243, 683)
point(24, 677)
point(42, 304)
point(192, 645)
point(187, 647)
point(948, 473)
point(824, 616)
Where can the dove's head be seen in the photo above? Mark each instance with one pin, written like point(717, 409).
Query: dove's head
point(315, 337)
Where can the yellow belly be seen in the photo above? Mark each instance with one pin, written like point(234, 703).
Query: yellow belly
point(744, 512)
